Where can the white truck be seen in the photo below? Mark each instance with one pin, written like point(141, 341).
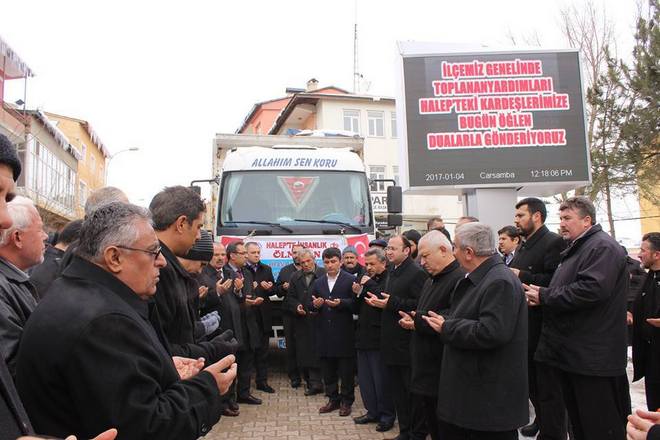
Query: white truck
point(282, 190)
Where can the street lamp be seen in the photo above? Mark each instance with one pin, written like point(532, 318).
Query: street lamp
point(112, 156)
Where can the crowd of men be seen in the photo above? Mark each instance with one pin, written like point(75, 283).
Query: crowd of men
point(136, 323)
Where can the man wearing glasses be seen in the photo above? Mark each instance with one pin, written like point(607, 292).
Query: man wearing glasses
point(111, 367)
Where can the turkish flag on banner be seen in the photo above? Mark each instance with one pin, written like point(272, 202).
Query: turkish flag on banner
point(360, 243)
point(227, 239)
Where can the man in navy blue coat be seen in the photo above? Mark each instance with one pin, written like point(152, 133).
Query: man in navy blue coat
point(332, 299)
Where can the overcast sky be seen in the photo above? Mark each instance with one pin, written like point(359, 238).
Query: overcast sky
point(166, 76)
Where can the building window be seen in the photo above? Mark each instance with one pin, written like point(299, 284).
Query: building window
point(83, 151)
point(393, 119)
point(352, 121)
point(376, 128)
point(395, 174)
point(377, 172)
point(92, 165)
point(83, 193)
point(50, 180)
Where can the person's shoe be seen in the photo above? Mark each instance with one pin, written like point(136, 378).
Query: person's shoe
point(233, 406)
point(228, 412)
point(329, 407)
point(364, 419)
point(265, 388)
point(295, 383)
point(250, 400)
point(530, 430)
point(344, 410)
point(384, 427)
point(313, 391)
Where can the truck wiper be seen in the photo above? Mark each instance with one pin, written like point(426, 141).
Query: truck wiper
point(331, 222)
point(250, 222)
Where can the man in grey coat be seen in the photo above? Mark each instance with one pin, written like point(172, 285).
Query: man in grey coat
point(21, 247)
point(483, 377)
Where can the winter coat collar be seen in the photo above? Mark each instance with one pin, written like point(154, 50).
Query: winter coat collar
point(536, 237)
point(581, 239)
point(11, 272)
point(480, 272)
point(82, 269)
point(448, 269)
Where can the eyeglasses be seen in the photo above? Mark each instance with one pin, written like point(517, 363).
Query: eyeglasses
point(155, 253)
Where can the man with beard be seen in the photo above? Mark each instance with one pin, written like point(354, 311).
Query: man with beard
point(437, 258)
point(371, 374)
point(404, 285)
point(646, 322)
point(350, 263)
point(535, 262)
point(298, 302)
point(583, 338)
point(281, 290)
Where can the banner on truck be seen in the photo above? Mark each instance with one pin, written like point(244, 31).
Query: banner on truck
point(276, 251)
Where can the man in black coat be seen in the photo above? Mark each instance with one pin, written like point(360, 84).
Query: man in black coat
point(43, 275)
point(178, 216)
point(374, 389)
point(297, 302)
point(242, 289)
point(483, 377)
point(14, 421)
point(93, 334)
point(404, 286)
point(262, 275)
point(281, 290)
point(646, 321)
point(332, 301)
point(435, 252)
point(535, 262)
point(583, 337)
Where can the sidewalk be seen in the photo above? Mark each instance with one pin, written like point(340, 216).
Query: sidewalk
point(288, 414)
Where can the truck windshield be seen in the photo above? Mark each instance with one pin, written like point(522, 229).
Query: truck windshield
point(282, 196)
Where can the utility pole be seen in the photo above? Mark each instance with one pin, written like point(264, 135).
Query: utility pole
point(356, 73)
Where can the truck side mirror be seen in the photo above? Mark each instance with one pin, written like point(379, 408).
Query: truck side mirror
point(394, 220)
point(394, 200)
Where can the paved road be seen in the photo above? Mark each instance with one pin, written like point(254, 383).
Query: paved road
point(288, 414)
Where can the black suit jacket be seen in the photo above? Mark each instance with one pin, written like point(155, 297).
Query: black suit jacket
point(90, 360)
point(265, 311)
point(646, 338)
point(250, 332)
point(335, 331)
point(426, 346)
point(300, 294)
point(537, 259)
point(404, 285)
point(367, 335)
